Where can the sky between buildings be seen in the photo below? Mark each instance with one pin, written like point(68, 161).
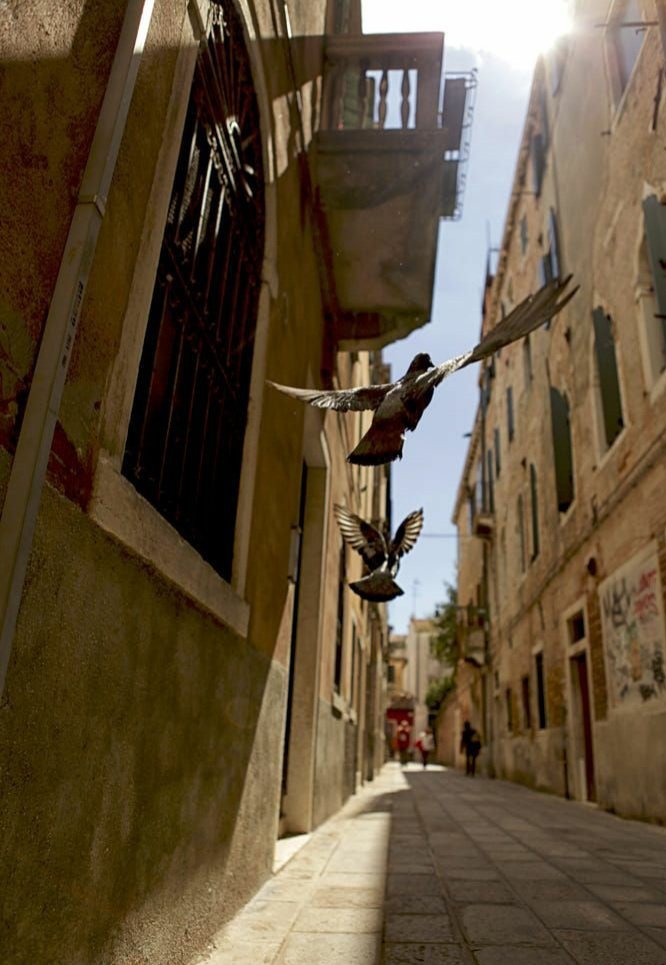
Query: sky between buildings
point(502, 41)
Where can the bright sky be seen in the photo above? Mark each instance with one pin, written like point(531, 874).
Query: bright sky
point(502, 40)
point(514, 30)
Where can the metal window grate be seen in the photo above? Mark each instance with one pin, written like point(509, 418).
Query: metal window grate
point(185, 440)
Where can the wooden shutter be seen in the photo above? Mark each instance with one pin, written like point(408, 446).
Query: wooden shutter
point(538, 162)
point(562, 449)
point(553, 245)
point(609, 383)
point(655, 234)
point(534, 500)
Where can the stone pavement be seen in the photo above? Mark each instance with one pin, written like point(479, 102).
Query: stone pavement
point(436, 868)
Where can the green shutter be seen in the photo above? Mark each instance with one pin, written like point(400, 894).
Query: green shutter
point(655, 234)
point(535, 511)
point(562, 449)
point(609, 383)
point(553, 245)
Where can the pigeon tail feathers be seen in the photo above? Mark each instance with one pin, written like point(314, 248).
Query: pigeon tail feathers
point(382, 443)
point(377, 587)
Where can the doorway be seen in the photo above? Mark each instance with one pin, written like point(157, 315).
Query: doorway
point(582, 728)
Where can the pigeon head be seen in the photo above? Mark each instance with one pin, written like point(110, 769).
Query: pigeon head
point(420, 363)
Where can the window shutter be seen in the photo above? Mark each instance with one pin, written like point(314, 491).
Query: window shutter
point(491, 488)
point(609, 383)
point(535, 511)
point(562, 449)
point(509, 413)
point(655, 234)
point(538, 162)
point(553, 245)
point(498, 462)
point(520, 512)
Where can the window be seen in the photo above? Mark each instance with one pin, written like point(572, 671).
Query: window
point(576, 626)
point(390, 673)
point(527, 361)
point(534, 502)
point(496, 440)
point(654, 305)
point(541, 690)
point(187, 426)
point(527, 709)
point(562, 449)
point(538, 154)
point(549, 264)
point(340, 622)
point(524, 238)
point(553, 245)
point(353, 683)
point(609, 383)
point(509, 413)
point(509, 710)
point(490, 505)
point(624, 42)
point(520, 513)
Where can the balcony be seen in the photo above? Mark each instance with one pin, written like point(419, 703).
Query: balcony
point(388, 165)
point(474, 647)
point(483, 524)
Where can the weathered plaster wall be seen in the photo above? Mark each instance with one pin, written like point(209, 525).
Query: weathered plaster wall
point(132, 728)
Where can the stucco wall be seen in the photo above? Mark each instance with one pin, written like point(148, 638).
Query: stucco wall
point(631, 764)
point(132, 724)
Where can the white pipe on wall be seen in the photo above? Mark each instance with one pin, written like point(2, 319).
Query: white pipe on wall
point(28, 470)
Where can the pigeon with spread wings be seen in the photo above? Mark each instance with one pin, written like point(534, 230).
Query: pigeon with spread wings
point(398, 406)
point(380, 554)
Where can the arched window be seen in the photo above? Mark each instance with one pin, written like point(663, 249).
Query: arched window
point(186, 433)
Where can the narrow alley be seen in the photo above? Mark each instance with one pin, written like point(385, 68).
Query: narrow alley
point(433, 868)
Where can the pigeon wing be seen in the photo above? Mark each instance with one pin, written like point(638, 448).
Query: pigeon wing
point(344, 400)
point(361, 536)
point(532, 312)
point(407, 534)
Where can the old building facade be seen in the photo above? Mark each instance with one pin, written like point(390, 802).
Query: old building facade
point(185, 673)
point(560, 512)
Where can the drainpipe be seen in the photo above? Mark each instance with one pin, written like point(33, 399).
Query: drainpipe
point(28, 470)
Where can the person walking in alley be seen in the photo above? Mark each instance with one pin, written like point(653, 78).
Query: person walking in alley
point(402, 739)
point(470, 744)
point(426, 745)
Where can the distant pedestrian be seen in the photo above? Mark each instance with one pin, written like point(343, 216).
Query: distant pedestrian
point(426, 745)
point(402, 740)
point(470, 745)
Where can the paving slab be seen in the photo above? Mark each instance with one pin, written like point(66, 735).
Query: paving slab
point(430, 868)
point(412, 953)
point(418, 928)
point(519, 955)
point(497, 924)
point(611, 948)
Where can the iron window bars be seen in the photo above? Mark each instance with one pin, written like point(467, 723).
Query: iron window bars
point(185, 440)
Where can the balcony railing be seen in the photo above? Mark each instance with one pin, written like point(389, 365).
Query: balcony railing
point(388, 167)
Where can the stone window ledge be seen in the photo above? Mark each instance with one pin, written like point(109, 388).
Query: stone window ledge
point(118, 509)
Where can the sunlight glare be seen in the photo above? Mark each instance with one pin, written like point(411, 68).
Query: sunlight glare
point(516, 30)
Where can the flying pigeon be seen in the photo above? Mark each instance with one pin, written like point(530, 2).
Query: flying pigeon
point(399, 405)
point(380, 554)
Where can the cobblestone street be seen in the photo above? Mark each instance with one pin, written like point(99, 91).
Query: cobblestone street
point(435, 868)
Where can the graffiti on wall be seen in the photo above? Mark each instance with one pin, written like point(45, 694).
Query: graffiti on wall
point(632, 616)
